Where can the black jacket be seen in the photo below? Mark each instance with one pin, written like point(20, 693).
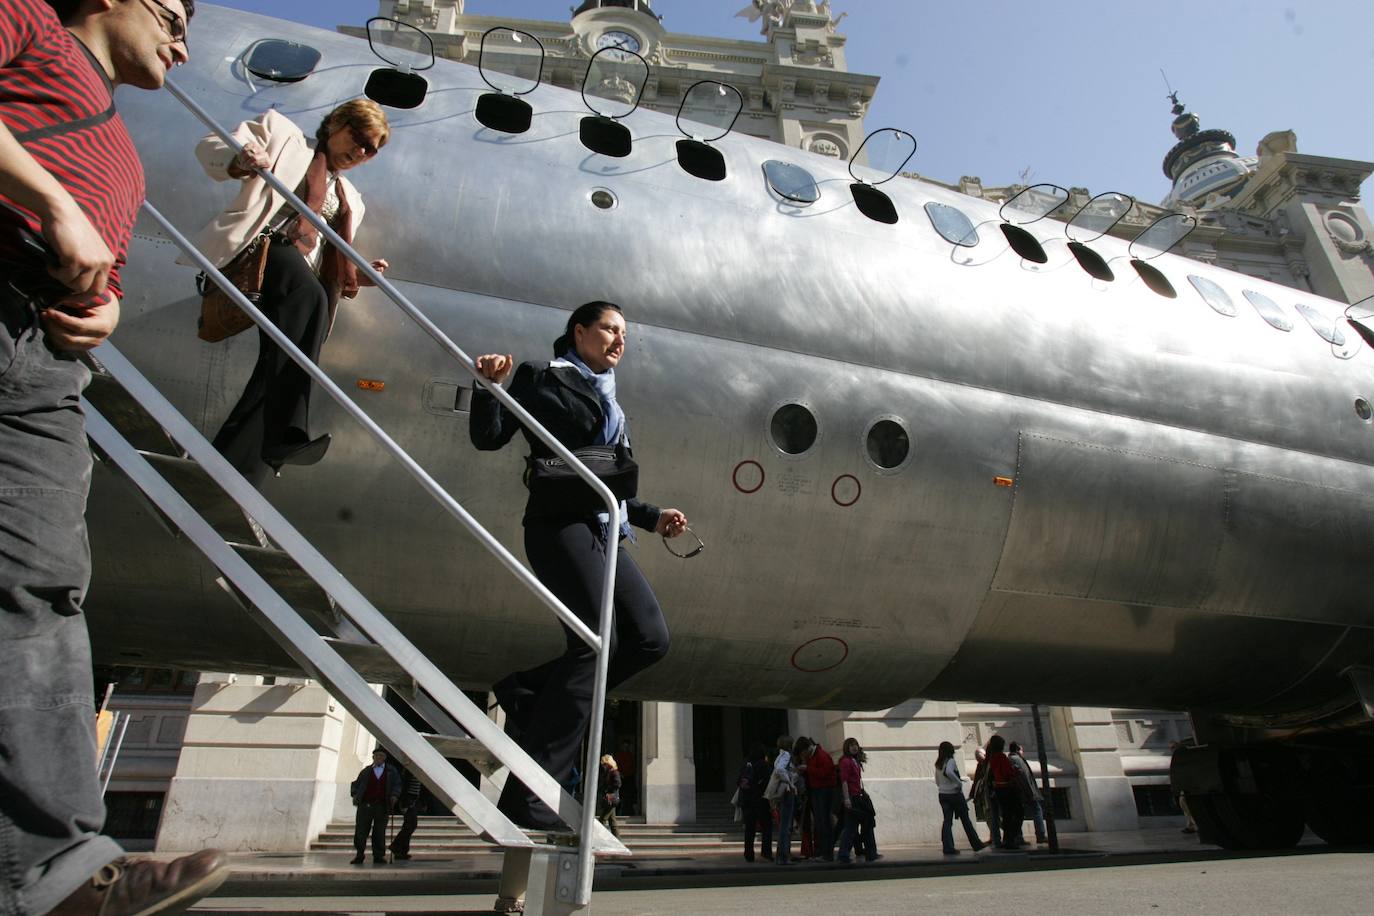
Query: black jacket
point(568, 407)
point(392, 782)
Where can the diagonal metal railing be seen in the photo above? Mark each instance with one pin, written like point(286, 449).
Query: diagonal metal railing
point(355, 606)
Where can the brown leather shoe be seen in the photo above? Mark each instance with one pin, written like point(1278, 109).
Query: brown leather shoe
point(134, 887)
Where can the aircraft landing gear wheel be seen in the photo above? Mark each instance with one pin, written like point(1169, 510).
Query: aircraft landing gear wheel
point(1247, 821)
point(1342, 818)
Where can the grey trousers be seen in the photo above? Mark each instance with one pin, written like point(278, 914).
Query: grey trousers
point(50, 802)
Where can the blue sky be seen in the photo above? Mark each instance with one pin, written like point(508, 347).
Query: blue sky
point(1067, 91)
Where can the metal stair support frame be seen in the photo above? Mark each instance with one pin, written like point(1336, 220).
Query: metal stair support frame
point(304, 644)
point(353, 603)
point(589, 827)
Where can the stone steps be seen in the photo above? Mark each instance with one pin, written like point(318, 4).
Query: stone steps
point(447, 836)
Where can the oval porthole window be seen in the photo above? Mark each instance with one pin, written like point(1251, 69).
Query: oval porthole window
point(602, 199)
point(793, 429)
point(1214, 296)
point(280, 61)
point(952, 224)
point(1363, 410)
point(887, 444)
point(791, 182)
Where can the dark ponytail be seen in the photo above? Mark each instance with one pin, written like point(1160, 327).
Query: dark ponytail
point(584, 315)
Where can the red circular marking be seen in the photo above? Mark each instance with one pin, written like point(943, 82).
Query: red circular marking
point(843, 649)
point(739, 467)
point(858, 489)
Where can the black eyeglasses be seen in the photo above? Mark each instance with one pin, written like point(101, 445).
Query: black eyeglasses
point(176, 26)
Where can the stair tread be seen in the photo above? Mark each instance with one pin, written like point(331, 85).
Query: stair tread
point(205, 496)
point(126, 415)
point(289, 580)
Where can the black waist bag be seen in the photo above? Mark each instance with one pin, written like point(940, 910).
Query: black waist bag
point(554, 480)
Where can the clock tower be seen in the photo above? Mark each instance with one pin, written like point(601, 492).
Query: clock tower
point(631, 25)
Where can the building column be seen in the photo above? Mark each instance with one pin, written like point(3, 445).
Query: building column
point(901, 743)
point(260, 768)
point(1089, 734)
point(668, 783)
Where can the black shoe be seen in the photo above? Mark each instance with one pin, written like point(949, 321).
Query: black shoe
point(951, 852)
point(305, 452)
point(376, 861)
point(356, 860)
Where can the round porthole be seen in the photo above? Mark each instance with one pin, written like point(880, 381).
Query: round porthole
point(1363, 410)
point(602, 199)
point(887, 445)
point(793, 429)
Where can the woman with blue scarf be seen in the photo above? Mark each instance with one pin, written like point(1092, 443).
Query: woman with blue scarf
point(574, 397)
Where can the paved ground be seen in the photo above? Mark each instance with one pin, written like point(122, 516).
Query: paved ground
point(1149, 872)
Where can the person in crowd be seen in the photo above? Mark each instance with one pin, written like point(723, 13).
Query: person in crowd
point(1007, 791)
point(984, 801)
point(859, 813)
point(566, 539)
point(305, 275)
point(1031, 800)
point(949, 783)
point(756, 812)
point(409, 806)
point(790, 779)
point(374, 791)
point(71, 184)
point(608, 794)
point(821, 778)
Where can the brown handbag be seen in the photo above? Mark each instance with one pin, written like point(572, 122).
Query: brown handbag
point(220, 317)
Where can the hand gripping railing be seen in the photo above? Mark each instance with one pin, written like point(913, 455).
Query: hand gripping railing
point(599, 642)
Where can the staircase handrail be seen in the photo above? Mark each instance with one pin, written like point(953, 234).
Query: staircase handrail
point(359, 609)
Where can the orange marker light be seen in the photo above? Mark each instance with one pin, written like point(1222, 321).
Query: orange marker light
point(371, 384)
point(1003, 481)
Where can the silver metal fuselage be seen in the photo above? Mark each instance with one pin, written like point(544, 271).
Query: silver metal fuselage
point(1191, 510)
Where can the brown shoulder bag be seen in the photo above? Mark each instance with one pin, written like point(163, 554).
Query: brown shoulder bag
point(220, 318)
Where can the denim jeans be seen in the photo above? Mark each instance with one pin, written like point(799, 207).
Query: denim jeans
point(952, 805)
point(787, 806)
point(858, 827)
point(51, 808)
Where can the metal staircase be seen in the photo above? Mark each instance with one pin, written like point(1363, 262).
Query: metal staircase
point(323, 622)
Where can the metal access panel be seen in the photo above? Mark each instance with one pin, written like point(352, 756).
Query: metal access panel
point(1103, 523)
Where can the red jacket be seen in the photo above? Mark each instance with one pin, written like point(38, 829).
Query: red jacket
point(820, 770)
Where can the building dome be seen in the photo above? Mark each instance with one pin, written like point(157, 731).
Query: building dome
point(1203, 164)
point(641, 6)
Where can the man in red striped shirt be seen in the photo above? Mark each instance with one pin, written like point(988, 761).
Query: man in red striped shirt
point(71, 184)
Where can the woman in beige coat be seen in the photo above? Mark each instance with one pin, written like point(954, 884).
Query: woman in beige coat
point(305, 275)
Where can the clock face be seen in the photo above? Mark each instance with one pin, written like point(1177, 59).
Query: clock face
point(623, 41)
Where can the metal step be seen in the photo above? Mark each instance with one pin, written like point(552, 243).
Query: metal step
point(127, 415)
point(371, 661)
point(465, 749)
point(291, 583)
point(197, 487)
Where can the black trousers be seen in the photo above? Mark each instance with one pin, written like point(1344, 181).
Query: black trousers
point(758, 818)
point(275, 405)
point(1009, 804)
point(569, 557)
point(371, 819)
point(410, 819)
